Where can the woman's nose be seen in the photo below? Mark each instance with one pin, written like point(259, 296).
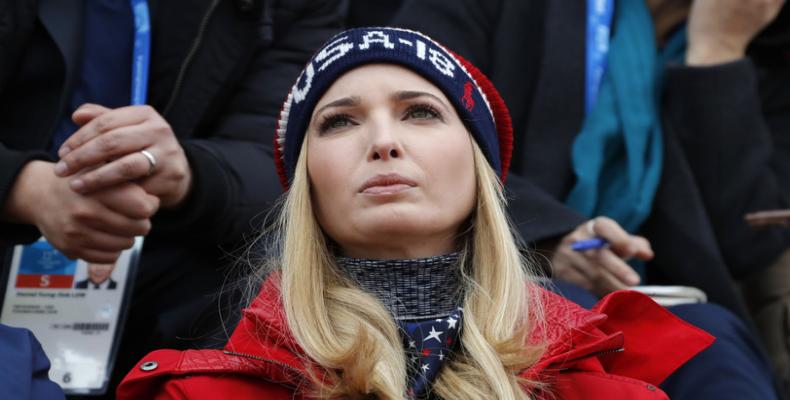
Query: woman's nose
point(384, 153)
point(384, 145)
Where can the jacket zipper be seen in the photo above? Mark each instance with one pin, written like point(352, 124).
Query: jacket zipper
point(610, 351)
point(190, 55)
point(596, 354)
point(258, 358)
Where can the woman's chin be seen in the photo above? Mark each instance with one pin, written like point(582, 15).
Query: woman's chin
point(406, 230)
point(392, 228)
point(398, 241)
point(412, 227)
point(402, 219)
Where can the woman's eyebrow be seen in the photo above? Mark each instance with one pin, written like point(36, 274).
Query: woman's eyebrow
point(342, 102)
point(413, 94)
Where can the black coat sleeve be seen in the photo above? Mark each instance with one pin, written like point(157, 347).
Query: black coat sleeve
point(470, 28)
point(234, 177)
point(18, 19)
point(11, 164)
point(717, 114)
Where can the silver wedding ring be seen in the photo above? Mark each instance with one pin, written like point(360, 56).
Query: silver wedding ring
point(151, 160)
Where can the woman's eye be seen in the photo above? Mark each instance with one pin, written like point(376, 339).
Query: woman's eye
point(422, 112)
point(335, 122)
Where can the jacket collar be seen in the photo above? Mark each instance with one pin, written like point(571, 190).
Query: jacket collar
point(263, 337)
point(626, 333)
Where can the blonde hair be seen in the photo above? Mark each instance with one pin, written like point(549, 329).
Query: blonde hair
point(353, 337)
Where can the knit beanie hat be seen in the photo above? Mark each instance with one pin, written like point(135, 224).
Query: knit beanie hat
point(475, 99)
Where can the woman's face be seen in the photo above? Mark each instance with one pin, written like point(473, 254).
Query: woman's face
point(390, 164)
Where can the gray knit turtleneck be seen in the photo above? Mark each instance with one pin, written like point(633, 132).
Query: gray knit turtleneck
point(412, 288)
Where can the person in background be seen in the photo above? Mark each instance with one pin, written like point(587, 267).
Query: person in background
point(741, 158)
point(89, 172)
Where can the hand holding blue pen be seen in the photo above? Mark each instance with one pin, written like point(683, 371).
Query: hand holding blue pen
point(605, 269)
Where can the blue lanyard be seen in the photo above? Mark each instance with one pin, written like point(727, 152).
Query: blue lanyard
point(141, 56)
point(599, 24)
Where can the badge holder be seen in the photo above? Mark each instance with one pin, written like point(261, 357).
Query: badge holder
point(75, 309)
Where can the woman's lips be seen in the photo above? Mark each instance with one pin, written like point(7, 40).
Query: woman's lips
point(386, 184)
point(388, 189)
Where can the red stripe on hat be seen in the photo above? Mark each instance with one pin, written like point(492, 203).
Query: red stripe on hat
point(502, 121)
point(279, 162)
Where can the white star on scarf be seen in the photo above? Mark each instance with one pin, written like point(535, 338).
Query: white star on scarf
point(433, 334)
point(451, 323)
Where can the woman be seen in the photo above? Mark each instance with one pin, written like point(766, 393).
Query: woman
point(395, 272)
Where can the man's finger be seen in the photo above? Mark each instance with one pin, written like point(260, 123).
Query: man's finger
point(619, 240)
point(582, 265)
point(104, 123)
point(86, 112)
point(616, 267)
point(104, 148)
point(127, 168)
point(644, 250)
point(105, 242)
point(103, 218)
point(130, 200)
point(117, 224)
point(83, 242)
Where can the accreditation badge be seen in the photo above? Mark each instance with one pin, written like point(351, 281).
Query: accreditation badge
point(76, 310)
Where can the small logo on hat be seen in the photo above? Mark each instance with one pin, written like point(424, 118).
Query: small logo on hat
point(468, 101)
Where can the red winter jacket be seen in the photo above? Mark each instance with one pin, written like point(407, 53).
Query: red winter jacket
point(622, 349)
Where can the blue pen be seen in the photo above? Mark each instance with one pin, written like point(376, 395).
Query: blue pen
point(589, 244)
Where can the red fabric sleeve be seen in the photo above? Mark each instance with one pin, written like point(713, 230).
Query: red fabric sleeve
point(656, 341)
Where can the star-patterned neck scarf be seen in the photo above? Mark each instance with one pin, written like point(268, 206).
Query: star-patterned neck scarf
point(423, 296)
